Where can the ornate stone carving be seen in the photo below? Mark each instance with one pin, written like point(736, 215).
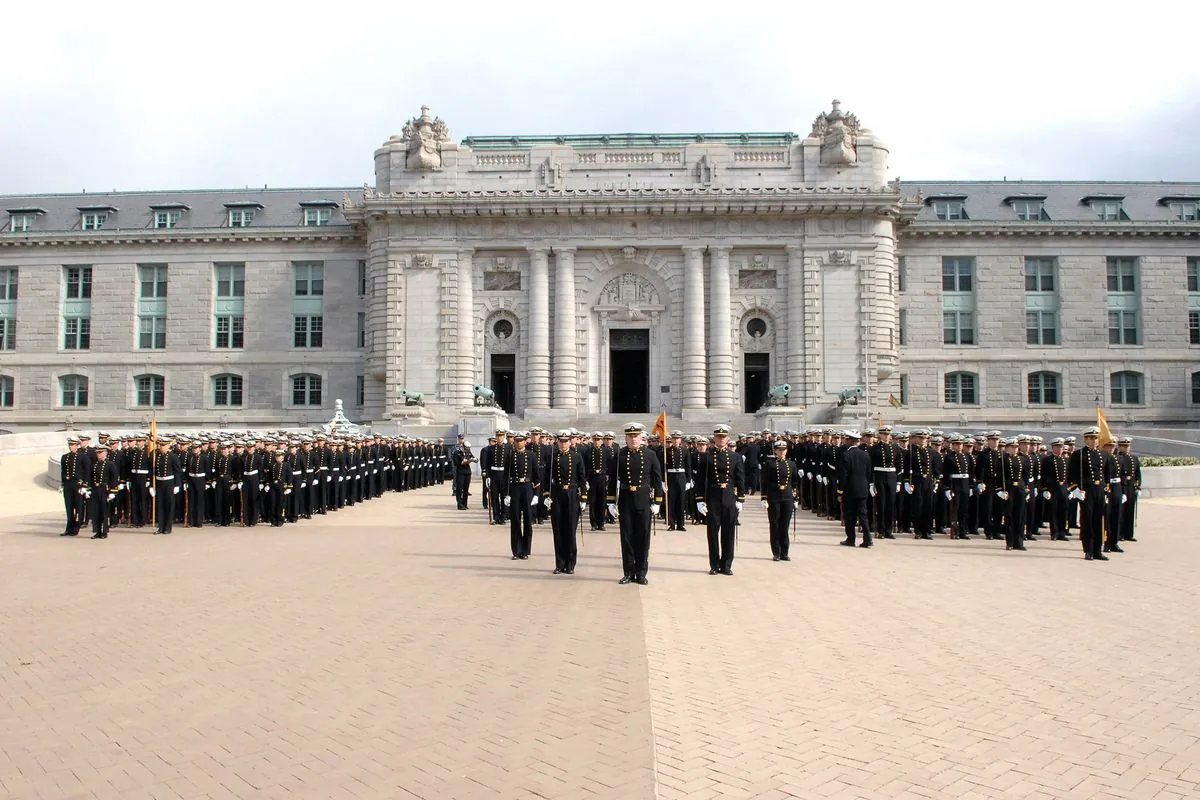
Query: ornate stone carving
point(757, 279)
point(757, 331)
point(840, 258)
point(552, 173)
point(501, 333)
point(838, 133)
point(423, 137)
point(422, 261)
point(629, 253)
point(706, 171)
point(629, 289)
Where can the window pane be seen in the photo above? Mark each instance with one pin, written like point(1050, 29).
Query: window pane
point(300, 332)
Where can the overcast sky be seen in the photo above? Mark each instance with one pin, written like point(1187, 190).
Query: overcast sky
point(126, 95)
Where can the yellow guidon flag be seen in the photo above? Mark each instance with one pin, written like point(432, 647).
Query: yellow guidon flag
point(1106, 436)
point(893, 401)
point(660, 428)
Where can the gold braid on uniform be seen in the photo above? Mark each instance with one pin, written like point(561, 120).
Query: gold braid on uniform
point(629, 468)
point(519, 463)
point(564, 469)
point(785, 477)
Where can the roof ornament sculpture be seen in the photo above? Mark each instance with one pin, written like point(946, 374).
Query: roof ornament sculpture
point(423, 137)
point(838, 133)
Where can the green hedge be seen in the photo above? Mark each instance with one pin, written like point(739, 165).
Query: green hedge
point(1169, 461)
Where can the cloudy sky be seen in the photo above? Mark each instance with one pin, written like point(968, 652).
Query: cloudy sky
point(130, 95)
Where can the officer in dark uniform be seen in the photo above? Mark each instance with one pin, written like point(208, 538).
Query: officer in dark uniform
point(635, 489)
point(71, 471)
point(522, 481)
point(165, 485)
point(1116, 499)
point(103, 479)
point(596, 460)
point(722, 476)
point(781, 496)
point(565, 489)
point(496, 481)
point(462, 457)
point(886, 461)
point(1087, 480)
point(855, 479)
point(678, 477)
point(1131, 477)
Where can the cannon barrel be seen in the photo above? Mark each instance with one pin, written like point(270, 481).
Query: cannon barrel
point(483, 392)
point(780, 390)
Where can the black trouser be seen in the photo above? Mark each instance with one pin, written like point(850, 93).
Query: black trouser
point(1015, 531)
point(633, 516)
point(195, 502)
point(497, 491)
point(275, 503)
point(100, 511)
point(752, 478)
point(1129, 514)
point(676, 495)
point(722, 528)
point(521, 523)
point(564, 516)
point(597, 490)
point(854, 512)
point(222, 502)
point(885, 500)
point(1091, 519)
point(250, 500)
point(1057, 510)
point(991, 512)
point(462, 487)
point(72, 501)
point(922, 506)
point(139, 501)
point(1112, 518)
point(164, 505)
point(779, 516)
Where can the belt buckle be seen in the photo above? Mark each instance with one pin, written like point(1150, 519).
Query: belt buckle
point(633, 488)
point(722, 485)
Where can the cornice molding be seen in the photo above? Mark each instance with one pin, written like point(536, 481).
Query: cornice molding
point(1081, 228)
point(175, 236)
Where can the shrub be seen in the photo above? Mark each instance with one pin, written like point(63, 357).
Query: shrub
point(1169, 461)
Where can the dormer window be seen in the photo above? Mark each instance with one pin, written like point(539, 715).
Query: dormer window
point(948, 206)
point(1029, 208)
point(1185, 210)
point(317, 212)
point(241, 215)
point(1106, 207)
point(93, 218)
point(20, 220)
point(167, 215)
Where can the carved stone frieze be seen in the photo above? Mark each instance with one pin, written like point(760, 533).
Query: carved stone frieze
point(838, 133)
point(423, 136)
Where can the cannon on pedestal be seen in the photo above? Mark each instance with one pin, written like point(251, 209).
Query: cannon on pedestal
point(413, 398)
point(483, 395)
point(777, 395)
point(849, 396)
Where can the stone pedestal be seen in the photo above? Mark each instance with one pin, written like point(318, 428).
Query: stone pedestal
point(412, 420)
point(478, 423)
point(779, 418)
point(552, 420)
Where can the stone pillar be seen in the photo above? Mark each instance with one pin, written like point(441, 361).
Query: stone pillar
point(720, 337)
point(464, 372)
point(693, 371)
point(794, 354)
point(566, 375)
point(537, 389)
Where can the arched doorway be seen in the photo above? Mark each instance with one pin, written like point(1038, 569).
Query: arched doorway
point(626, 317)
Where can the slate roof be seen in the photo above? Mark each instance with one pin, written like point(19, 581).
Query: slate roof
point(1064, 201)
point(280, 208)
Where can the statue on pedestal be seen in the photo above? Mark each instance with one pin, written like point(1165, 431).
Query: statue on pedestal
point(423, 137)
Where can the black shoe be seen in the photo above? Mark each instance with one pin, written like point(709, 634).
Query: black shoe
point(774, 558)
point(682, 529)
point(727, 571)
point(66, 533)
point(714, 572)
point(1115, 549)
point(785, 558)
point(1100, 557)
point(525, 557)
point(887, 536)
point(516, 558)
point(641, 581)
point(625, 579)
point(1130, 539)
point(1089, 557)
point(557, 571)
point(1019, 547)
point(97, 535)
point(847, 542)
point(867, 543)
point(569, 571)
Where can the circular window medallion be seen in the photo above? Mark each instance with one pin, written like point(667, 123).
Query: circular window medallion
point(757, 327)
point(502, 329)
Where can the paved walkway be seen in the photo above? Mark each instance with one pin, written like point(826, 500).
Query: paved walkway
point(394, 651)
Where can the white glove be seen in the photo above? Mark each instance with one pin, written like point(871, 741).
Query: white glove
point(908, 488)
point(507, 502)
point(175, 490)
point(1045, 495)
point(152, 491)
point(287, 491)
point(82, 492)
point(809, 476)
point(948, 494)
point(267, 488)
point(654, 509)
point(612, 509)
point(487, 483)
point(738, 506)
point(765, 504)
point(981, 487)
point(534, 501)
point(702, 507)
point(328, 478)
point(795, 504)
point(688, 486)
point(549, 502)
point(583, 505)
point(1002, 495)
point(1124, 498)
point(112, 495)
point(873, 491)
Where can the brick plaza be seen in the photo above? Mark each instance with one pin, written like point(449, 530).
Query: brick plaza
point(394, 651)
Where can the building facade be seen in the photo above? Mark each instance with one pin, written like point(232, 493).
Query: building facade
point(620, 274)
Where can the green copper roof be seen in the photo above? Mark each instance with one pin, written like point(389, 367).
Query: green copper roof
point(630, 140)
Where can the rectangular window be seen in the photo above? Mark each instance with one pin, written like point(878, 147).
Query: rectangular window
point(902, 274)
point(151, 390)
point(1196, 388)
point(227, 390)
point(8, 333)
point(960, 389)
point(310, 279)
point(1126, 389)
point(6, 391)
point(1109, 210)
point(1030, 210)
point(1193, 274)
point(153, 279)
point(230, 332)
point(360, 390)
point(316, 217)
point(308, 331)
point(362, 329)
point(362, 279)
point(1039, 274)
point(20, 223)
point(1194, 327)
point(1123, 327)
point(903, 390)
point(958, 274)
point(74, 391)
point(949, 209)
point(241, 217)
point(77, 333)
point(166, 219)
point(1041, 327)
point(306, 390)
point(78, 283)
point(1122, 274)
point(958, 327)
point(1043, 388)
point(8, 283)
point(1186, 211)
point(903, 326)
point(92, 221)
point(231, 280)
point(152, 333)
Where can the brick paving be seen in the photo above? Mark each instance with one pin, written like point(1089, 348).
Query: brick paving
point(393, 651)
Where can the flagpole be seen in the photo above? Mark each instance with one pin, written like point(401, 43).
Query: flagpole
point(153, 464)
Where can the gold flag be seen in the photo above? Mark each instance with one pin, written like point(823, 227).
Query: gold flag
point(1106, 436)
point(893, 401)
point(660, 428)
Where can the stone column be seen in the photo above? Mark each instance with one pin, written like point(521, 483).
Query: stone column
point(720, 338)
point(537, 390)
point(693, 370)
point(566, 375)
point(465, 373)
point(793, 371)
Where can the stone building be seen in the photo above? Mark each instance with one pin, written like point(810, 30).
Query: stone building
point(582, 276)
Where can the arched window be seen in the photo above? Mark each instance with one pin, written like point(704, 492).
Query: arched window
point(6, 391)
point(227, 390)
point(1045, 388)
point(306, 389)
point(962, 389)
point(1126, 388)
point(73, 391)
point(150, 390)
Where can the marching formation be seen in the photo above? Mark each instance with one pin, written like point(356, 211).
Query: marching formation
point(877, 483)
point(234, 479)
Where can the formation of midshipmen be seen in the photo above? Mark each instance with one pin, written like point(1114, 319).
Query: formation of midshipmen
point(876, 483)
point(235, 479)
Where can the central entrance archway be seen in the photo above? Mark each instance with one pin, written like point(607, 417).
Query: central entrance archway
point(629, 370)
